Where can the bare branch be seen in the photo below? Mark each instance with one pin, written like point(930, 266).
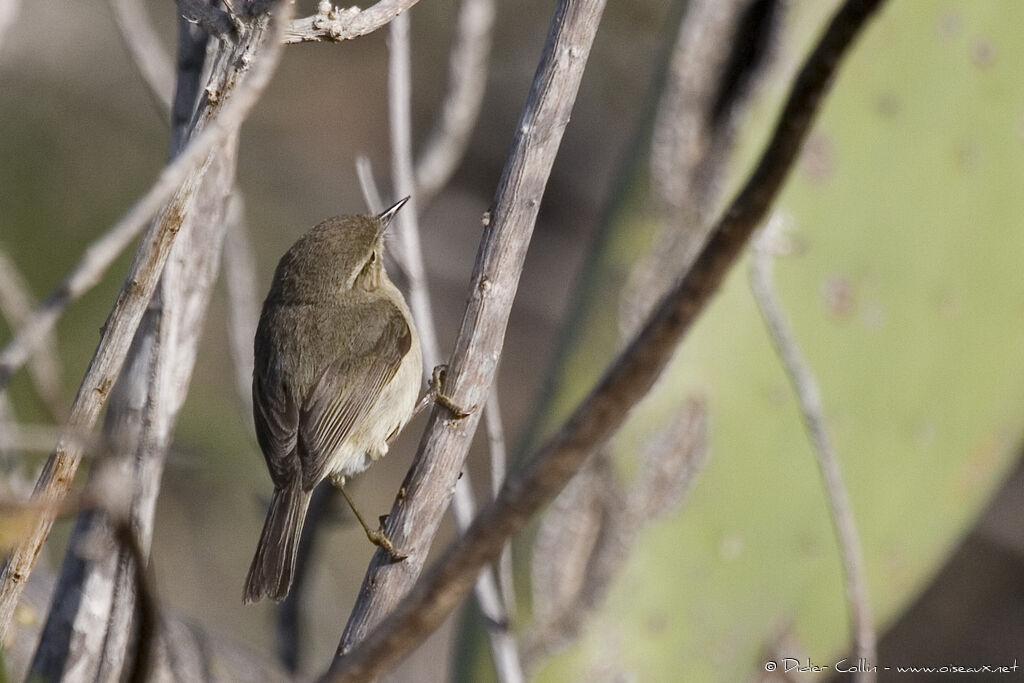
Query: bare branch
point(801, 376)
point(44, 367)
point(150, 59)
point(336, 24)
point(179, 179)
point(629, 378)
point(428, 487)
point(467, 79)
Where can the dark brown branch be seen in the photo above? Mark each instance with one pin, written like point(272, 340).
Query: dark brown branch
point(623, 385)
point(428, 488)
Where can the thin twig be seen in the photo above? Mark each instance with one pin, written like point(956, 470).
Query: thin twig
point(467, 80)
point(84, 276)
point(415, 517)
point(147, 55)
point(243, 306)
point(44, 367)
point(336, 24)
point(422, 609)
point(801, 376)
point(8, 14)
point(499, 471)
point(407, 221)
point(503, 646)
point(178, 179)
point(371, 193)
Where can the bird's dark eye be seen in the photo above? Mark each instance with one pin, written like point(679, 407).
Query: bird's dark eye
point(373, 257)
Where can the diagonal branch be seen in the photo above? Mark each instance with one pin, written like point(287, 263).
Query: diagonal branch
point(175, 186)
point(623, 385)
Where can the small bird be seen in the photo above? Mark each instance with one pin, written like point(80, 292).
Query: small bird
point(337, 374)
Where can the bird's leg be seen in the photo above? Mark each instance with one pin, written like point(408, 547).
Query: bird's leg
point(377, 537)
point(435, 394)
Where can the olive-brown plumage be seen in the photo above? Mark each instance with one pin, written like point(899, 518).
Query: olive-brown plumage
point(337, 373)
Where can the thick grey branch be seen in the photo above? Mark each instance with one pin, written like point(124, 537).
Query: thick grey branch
point(626, 381)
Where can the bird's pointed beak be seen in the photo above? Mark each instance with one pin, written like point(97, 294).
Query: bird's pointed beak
point(387, 215)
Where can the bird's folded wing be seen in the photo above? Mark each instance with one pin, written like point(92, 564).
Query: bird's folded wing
point(343, 395)
point(276, 414)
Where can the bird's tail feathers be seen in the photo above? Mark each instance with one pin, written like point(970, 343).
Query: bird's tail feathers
point(270, 574)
